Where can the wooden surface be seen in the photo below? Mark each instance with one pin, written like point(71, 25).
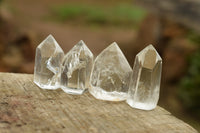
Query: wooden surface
point(186, 12)
point(24, 107)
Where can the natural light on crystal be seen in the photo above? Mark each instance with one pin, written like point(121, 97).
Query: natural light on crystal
point(110, 75)
point(145, 81)
point(76, 69)
point(47, 64)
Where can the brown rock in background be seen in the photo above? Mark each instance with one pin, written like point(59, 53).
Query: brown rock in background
point(16, 47)
point(149, 32)
point(169, 38)
point(175, 59)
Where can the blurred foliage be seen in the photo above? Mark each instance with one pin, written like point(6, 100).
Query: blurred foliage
point(118, 15)
point(194, 37)
point(189, 91)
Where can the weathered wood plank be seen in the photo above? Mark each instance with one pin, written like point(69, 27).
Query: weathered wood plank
point(24, 107)
point(186, 12)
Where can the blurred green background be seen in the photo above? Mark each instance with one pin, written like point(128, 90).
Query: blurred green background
point(25, 23)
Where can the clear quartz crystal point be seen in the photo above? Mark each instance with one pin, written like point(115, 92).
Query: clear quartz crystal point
point(76, 69)
point(110, 75)
point(145, 81)
point(47, 63)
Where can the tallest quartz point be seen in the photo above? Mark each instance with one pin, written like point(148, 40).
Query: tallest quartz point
point(145, 81)
point(47, 63)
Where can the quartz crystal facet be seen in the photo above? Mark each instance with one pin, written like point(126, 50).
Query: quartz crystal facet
point(47, 64)
point(110, 75)
point(76, 69)
point(145, 81)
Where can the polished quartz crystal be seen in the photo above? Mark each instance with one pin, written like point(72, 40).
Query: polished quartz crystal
point(110, 75)
point(47, 64)
point(76, 69)
point(145, 81)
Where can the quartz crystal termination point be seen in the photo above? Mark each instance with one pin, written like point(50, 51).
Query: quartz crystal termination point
point(145, 81)
point(47, 64)
point(110, 75)
point(76, 69)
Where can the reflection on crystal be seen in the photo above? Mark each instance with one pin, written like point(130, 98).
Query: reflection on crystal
point(110, 75)
point(145, 81)
point(47, 64)
point(76, 69)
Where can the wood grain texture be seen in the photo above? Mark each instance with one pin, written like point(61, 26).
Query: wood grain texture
point(24, 107)
point(186, 12)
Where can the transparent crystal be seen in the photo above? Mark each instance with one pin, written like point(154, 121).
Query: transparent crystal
point(76, 69)
point(47, 64)
point(145, 81)
point(110, 75)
